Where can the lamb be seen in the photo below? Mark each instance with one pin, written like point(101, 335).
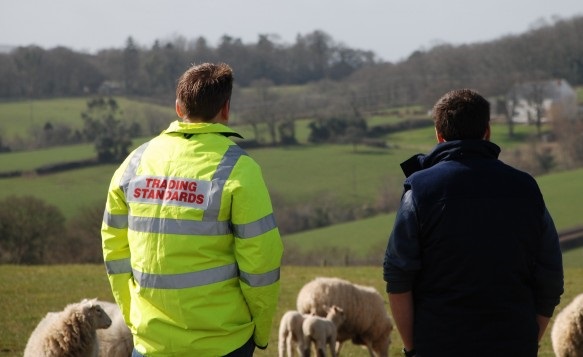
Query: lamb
point(567, 331)
point(290, 333)
point(70, 332)
point(367, 322)
point(322, 331)
point(117, 340)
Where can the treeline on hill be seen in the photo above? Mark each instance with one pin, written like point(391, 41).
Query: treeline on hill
point(32, 72)
point(552, 50)
point(338, 84)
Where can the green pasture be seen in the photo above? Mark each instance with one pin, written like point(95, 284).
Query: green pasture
point(401, 144)
point(27, 293)
point(30, 160)
point(297, 174)
point(70, 191)
point(16, 118)
point(368, 237)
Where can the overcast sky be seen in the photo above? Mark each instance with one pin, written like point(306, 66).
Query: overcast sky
point(392, 29)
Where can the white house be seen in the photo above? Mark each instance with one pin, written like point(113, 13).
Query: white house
point(554, 99)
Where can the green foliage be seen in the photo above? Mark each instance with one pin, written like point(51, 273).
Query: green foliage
point(333, 129)
point(103, 126)
point(29, 230)
point(27, 293)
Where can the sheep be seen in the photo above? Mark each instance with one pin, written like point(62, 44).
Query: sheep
point(567, 331)
point(117, 340)
point(367, 322)
point(290, 333)
point(70, 332)
point(322, 331)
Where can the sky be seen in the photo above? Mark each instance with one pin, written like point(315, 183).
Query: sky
point(391, 29)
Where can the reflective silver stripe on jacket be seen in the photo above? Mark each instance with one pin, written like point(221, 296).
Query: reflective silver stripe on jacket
point(130, 171)
point(119, 221)
point(178, 226)
point(220, 176)
point(207, 228)
point(120, 266)
point(186, 280)
point(205, 277)
point(256, 228)
point(264, 279)
point(194, 279)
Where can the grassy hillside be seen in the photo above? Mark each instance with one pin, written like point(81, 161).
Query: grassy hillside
point(16, 118)
point(27, 293)
point(562, 194)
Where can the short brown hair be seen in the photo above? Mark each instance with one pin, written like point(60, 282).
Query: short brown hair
point(203, 90)
point(461, 114)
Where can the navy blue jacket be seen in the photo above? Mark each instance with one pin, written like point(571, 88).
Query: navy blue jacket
point(475, 244)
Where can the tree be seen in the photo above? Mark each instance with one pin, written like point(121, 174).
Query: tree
point(29, 229)
point(103, 126)
point(507, 107)
point(131, 62)
point(83, 236)
point(535, 95)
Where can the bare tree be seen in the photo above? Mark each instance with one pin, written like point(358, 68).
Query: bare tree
point(535, 96)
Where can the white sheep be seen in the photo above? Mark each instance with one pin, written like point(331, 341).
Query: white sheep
point(322, 331)
point(70, 332)
point(290, 333)
point(567, 331)
point(367, 322)
point(117, 340)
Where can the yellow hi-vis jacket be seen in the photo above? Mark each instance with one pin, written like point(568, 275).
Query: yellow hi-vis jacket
point(190, 244)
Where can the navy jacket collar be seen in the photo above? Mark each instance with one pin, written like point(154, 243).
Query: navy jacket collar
point(451, 150)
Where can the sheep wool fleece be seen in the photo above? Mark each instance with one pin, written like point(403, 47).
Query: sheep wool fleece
point(190, 244)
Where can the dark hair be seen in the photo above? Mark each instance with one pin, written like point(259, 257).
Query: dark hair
point(461, 114)
point(203, 90)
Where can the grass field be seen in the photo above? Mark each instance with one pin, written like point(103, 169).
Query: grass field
point(562, 192)
point(16, 118)
point(27, 293)
point(297, 174)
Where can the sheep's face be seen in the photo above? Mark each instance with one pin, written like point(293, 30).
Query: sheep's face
point(100, 317)
point(336, 314)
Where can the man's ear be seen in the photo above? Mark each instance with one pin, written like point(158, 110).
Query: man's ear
point(179, 109)
point(440, 138)
point(226, 110)
point(487, 133)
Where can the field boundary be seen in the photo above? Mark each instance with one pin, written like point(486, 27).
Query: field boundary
point(571, 238)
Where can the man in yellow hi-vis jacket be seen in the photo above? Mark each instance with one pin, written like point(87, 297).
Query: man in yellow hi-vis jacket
point(190, 244)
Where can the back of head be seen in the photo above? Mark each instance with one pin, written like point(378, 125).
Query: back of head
point(204, 89)
point(461, 114)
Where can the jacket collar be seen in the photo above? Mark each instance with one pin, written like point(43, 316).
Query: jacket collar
point(451, 150)
point(201, 128)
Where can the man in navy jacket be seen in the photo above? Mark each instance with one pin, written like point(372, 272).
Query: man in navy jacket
point(473, 264)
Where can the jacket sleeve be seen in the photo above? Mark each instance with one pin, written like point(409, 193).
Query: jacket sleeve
point(402, 257)
point(549, 269)
point(115, 246)
point(258, 246)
